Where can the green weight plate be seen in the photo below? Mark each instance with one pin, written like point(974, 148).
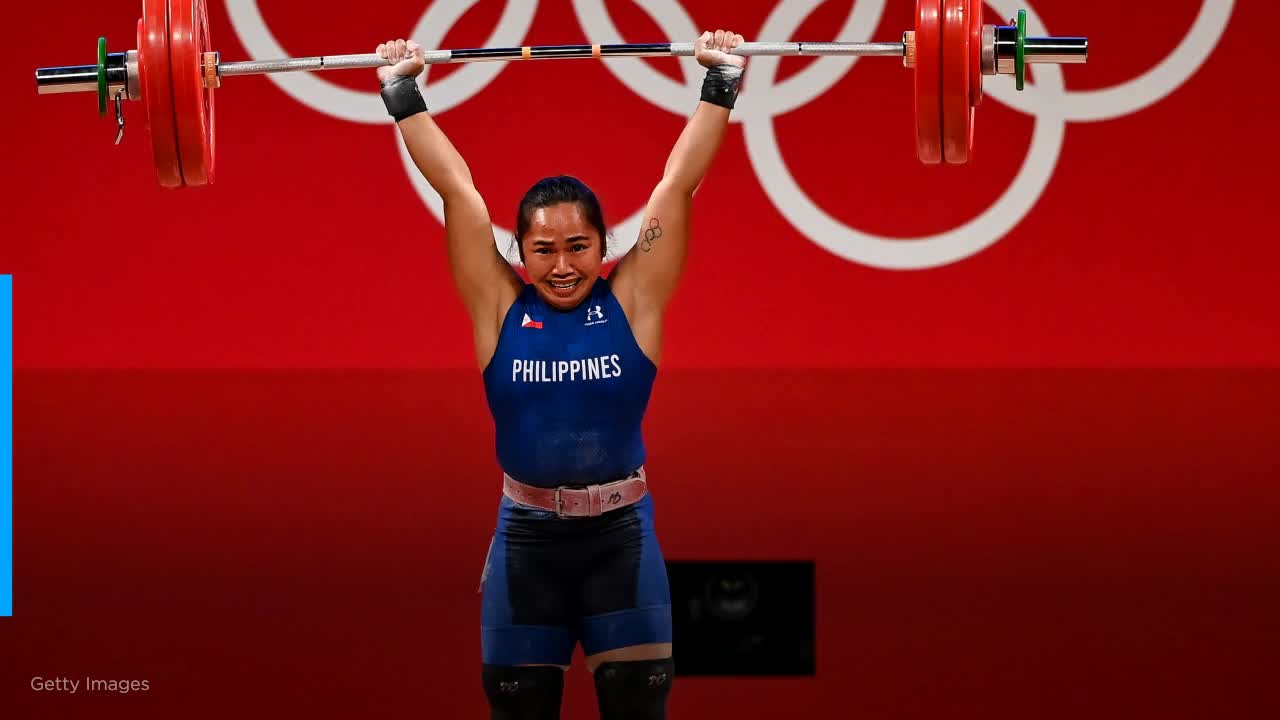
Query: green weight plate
point(102, 76)
point(1020, 59)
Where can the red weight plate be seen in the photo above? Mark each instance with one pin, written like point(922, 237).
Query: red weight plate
point(975, 52)
point(192, 102)
point(928, 81)
point(155, 83)
point(957, 113)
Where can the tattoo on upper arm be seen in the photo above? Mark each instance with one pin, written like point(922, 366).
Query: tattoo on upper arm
point(652, 234)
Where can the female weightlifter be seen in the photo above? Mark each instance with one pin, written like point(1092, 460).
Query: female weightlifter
point(568, 362)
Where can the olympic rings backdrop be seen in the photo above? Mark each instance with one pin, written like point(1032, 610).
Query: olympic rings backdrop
point(1110, 218)
point(1021, 415)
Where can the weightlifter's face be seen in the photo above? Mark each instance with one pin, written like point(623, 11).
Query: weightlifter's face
point(562, 254)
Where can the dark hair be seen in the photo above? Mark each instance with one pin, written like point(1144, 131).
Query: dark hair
point(553, 191)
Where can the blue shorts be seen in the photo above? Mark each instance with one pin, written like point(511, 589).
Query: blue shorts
point(552, 582)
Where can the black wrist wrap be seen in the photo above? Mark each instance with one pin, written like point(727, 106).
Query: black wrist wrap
point(402, 98)
point(720, 87)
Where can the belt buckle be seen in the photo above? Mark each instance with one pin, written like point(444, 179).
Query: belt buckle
point(559, 503)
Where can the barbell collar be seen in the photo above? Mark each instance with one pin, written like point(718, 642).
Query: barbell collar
point(82, 78)
point(1038, 50)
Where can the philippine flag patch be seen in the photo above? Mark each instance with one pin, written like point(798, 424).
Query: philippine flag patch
point(531, 323)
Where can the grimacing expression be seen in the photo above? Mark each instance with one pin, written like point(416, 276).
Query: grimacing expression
point(562, 254)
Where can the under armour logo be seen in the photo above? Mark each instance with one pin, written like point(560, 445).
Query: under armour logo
point(657, 680)
point(509, 688)
point(595, 313)
point(615, 498)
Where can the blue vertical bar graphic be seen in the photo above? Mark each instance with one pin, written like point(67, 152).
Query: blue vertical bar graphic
point(6, 446)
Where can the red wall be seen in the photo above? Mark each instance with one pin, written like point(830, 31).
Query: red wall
point(1037, 480)
point(1144, 244)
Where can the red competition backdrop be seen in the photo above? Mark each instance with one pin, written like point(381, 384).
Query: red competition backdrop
point(1033, 398)
point(1144, 243)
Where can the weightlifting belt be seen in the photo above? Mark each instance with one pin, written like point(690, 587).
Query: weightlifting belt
point(589, 501)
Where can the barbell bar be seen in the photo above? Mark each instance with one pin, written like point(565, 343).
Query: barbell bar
point(174, 71)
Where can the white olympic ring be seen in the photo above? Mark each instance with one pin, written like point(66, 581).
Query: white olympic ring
point(1052, 105)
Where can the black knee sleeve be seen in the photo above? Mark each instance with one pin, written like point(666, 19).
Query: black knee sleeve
point(523, 693)
point(635, 689)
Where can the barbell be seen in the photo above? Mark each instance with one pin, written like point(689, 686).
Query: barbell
point(173, 73)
